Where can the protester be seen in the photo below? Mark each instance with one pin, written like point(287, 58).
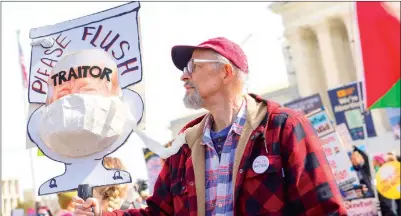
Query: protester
point(112, 196)
point(360, 162)
point(65, 203)
point(389, 158)
point(246, 156)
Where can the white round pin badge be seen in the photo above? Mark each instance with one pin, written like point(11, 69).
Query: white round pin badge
point(260, 164)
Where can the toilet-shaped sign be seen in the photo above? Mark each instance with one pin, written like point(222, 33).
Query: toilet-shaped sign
point(83, 103)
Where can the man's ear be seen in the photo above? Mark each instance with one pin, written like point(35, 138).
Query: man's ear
point(228, 72)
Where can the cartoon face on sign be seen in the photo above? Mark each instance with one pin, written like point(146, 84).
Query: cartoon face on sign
point(94, 75)
point(83, 105)
point(86, 117)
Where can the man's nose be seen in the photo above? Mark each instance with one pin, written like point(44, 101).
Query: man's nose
point(185, 76)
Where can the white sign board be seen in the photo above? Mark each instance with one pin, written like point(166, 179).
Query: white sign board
point(336, 155)
point(82, 103)
point(346, 138)
point(321, 122)
point(339, 161)
point(114, 30)
point(361, 207)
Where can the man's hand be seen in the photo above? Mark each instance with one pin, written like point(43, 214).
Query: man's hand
point(90, 207)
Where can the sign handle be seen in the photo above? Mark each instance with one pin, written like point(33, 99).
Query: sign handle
point(85, 191)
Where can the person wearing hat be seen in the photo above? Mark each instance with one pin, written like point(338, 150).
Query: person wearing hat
point(246, 156)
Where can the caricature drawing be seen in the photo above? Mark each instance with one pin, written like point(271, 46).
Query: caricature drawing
point(86, 117)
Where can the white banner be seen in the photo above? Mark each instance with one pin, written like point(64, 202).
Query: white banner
point(339, 161)
point(335, 153)
point(321, 122)
point(114, 30)
point(361, 207)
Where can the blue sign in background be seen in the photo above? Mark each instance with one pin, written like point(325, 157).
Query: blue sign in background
point(306, 104)
point(394, 118)
point(346, 102)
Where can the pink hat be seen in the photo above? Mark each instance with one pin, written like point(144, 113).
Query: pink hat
point(182, 54)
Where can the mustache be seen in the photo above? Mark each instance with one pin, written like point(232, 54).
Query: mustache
point(187, 83)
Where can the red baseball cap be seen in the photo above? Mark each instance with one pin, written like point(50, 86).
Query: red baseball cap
point(181, 54)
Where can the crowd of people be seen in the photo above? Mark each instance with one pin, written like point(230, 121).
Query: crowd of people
point(112, 197)
point(360, 162)
point(246, 156)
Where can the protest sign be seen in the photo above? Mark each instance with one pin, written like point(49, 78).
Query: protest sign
point(388, 180)
point(339, 161)
point(362, 207)
point(82, 103)
point(306, 105)
point(346, 138)
point(154, 165)
point(116, 31)
point(346, 103)
point(394, 118)
point(335, 153)
point(321, 122)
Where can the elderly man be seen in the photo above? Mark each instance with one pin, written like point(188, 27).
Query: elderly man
point(246, 156)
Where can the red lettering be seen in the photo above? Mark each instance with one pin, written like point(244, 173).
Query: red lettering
point(43, 73)
point(126, 64)
point(341, 175)
point(86, 33)
point(41, 79)
point(60, 42)
point(50, 64)
point(333, 164)
point(48, 52)
point(96, 36)
point(38, 88)
point(107, 47)
point(122, 51)
point(328, 140)
point(328, 152)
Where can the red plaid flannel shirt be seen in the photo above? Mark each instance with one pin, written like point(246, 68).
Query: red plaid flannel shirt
point(298, 180)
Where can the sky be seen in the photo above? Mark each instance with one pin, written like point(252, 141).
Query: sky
point(163, 25)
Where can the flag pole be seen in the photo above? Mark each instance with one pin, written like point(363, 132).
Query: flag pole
point(25, 99)
point(360, 85)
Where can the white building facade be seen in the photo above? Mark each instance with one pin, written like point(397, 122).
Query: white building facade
point(10, 196)
point(322, 37)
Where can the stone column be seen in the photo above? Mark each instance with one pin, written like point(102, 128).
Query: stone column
point(303, 63)
point(328, 55)
point(351, 27)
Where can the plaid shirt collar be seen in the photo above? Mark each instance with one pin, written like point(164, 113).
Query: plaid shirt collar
point(236, 126)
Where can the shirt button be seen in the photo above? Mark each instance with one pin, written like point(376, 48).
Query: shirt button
point(220, 205)
point(241, 171)
point(191, 183)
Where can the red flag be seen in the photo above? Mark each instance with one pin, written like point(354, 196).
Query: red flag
point(379, 31)
point(22, 63)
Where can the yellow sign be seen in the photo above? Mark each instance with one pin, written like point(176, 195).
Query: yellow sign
point(388, 180)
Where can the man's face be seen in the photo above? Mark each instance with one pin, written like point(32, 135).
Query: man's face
point(356, 159)
point(85, 85)
point(205, 80)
